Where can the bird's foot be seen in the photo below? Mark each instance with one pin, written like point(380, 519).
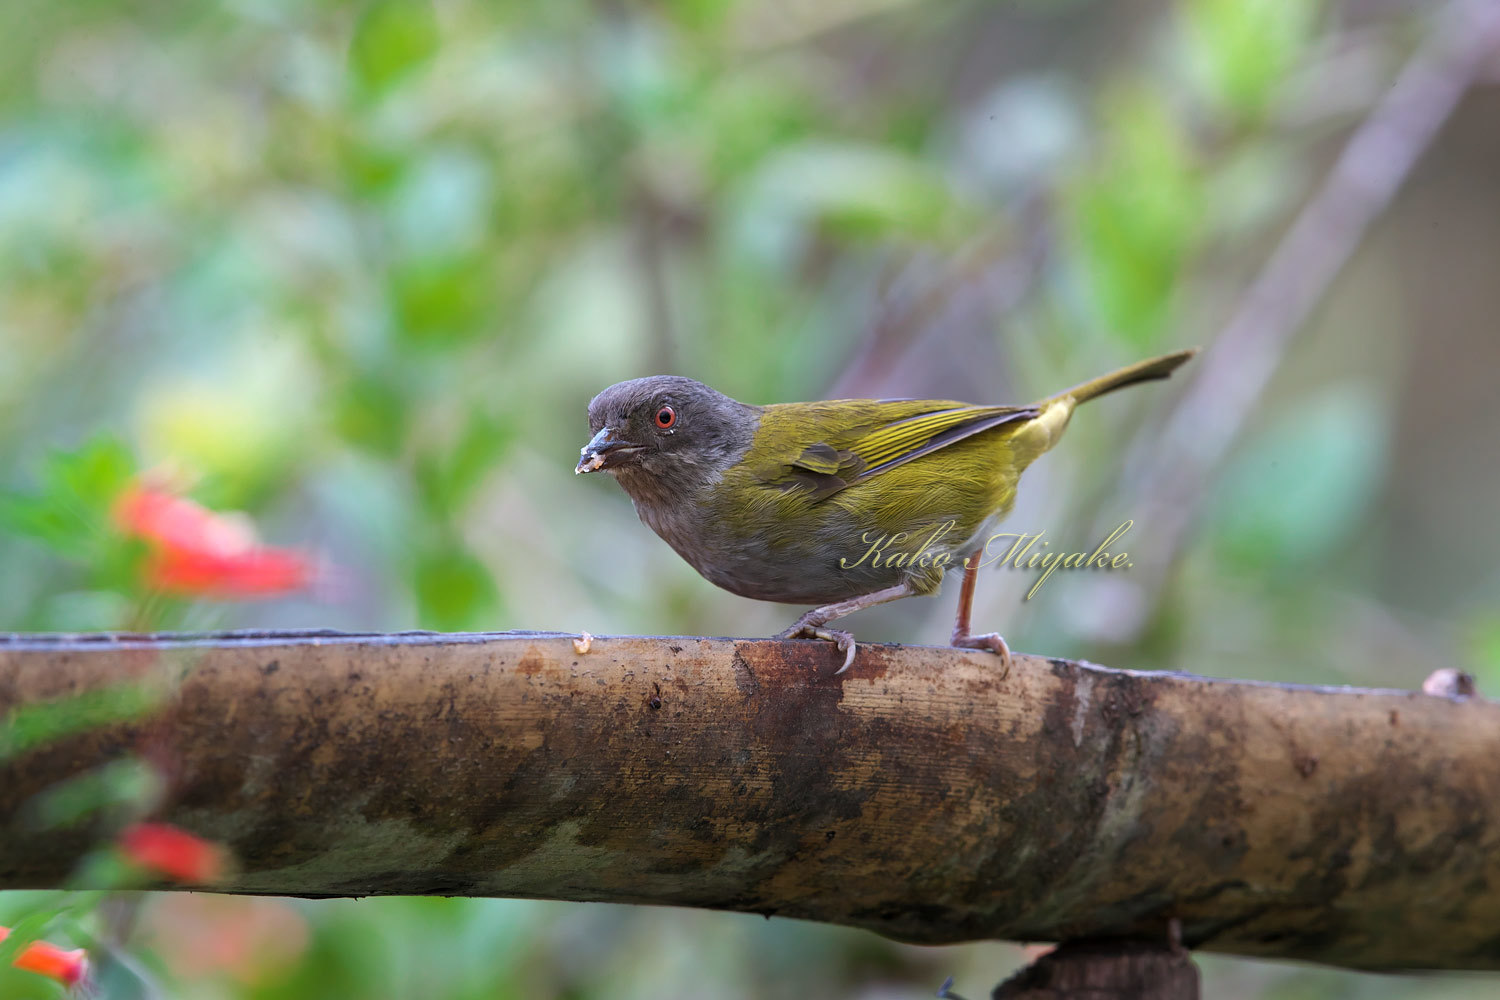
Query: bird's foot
point(844, 640)
point(991, 641)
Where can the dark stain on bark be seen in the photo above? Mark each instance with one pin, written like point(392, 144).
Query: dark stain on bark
point(794, 715)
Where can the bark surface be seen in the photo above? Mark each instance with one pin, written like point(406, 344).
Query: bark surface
point(920, 794)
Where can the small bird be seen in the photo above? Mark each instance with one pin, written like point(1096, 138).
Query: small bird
point(784, 502)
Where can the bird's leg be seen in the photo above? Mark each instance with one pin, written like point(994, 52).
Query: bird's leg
point(961, 636)
point(811, 624)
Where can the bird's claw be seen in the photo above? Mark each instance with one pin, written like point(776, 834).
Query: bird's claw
point(991, 641)
point(843, 640)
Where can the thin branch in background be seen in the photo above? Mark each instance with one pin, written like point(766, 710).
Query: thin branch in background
point(1173, 472)
point(650, 239)
point(996, 277)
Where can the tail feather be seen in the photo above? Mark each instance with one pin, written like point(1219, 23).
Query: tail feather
point(1141, 371)
point(1053, 412)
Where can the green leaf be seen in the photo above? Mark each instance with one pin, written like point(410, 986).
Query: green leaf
point(57, 527)
point(371, 412)
point(27, 726)
point(854, 191)
point(1246, 48)
point(1135, 217)
point(448, 479)
point(26, 930)
point(1298, 490)
point(70, 515)
point(393, 39)
point(442, 300)
point(454, 591)
point(130, 784)
point(94, 474)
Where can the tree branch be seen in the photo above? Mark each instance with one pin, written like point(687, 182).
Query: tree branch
point(1167, 480)
point(920, 795)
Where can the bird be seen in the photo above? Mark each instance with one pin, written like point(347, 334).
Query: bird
point(784, 502)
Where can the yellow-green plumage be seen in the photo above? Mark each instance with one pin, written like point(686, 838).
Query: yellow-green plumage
point(821, 481)
point(779, 502)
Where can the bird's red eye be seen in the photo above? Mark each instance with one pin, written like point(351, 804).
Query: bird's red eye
point(666, 417)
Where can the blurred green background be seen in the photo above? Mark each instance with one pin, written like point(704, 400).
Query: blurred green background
point(357, 269)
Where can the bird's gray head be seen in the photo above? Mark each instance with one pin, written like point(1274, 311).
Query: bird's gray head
point(667, 428)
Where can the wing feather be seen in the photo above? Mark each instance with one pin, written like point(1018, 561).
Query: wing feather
point(905, 440)
point(826, 467)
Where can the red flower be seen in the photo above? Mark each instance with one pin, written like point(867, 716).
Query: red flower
point(46, 959)
point(262, 572)
point(175, 853)
point(199, 553)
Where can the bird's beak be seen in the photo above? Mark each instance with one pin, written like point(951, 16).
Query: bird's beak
point(605, 451)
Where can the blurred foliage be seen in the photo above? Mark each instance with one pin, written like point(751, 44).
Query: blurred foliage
point(357, 269)
point(1300, 488)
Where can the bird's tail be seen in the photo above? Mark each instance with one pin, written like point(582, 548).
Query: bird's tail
point(1141, 371)
point(1054, 411)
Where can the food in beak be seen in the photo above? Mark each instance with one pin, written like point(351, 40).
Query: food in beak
point(605, 450)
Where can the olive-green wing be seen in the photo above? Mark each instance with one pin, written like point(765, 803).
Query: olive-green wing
point(874, 445)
